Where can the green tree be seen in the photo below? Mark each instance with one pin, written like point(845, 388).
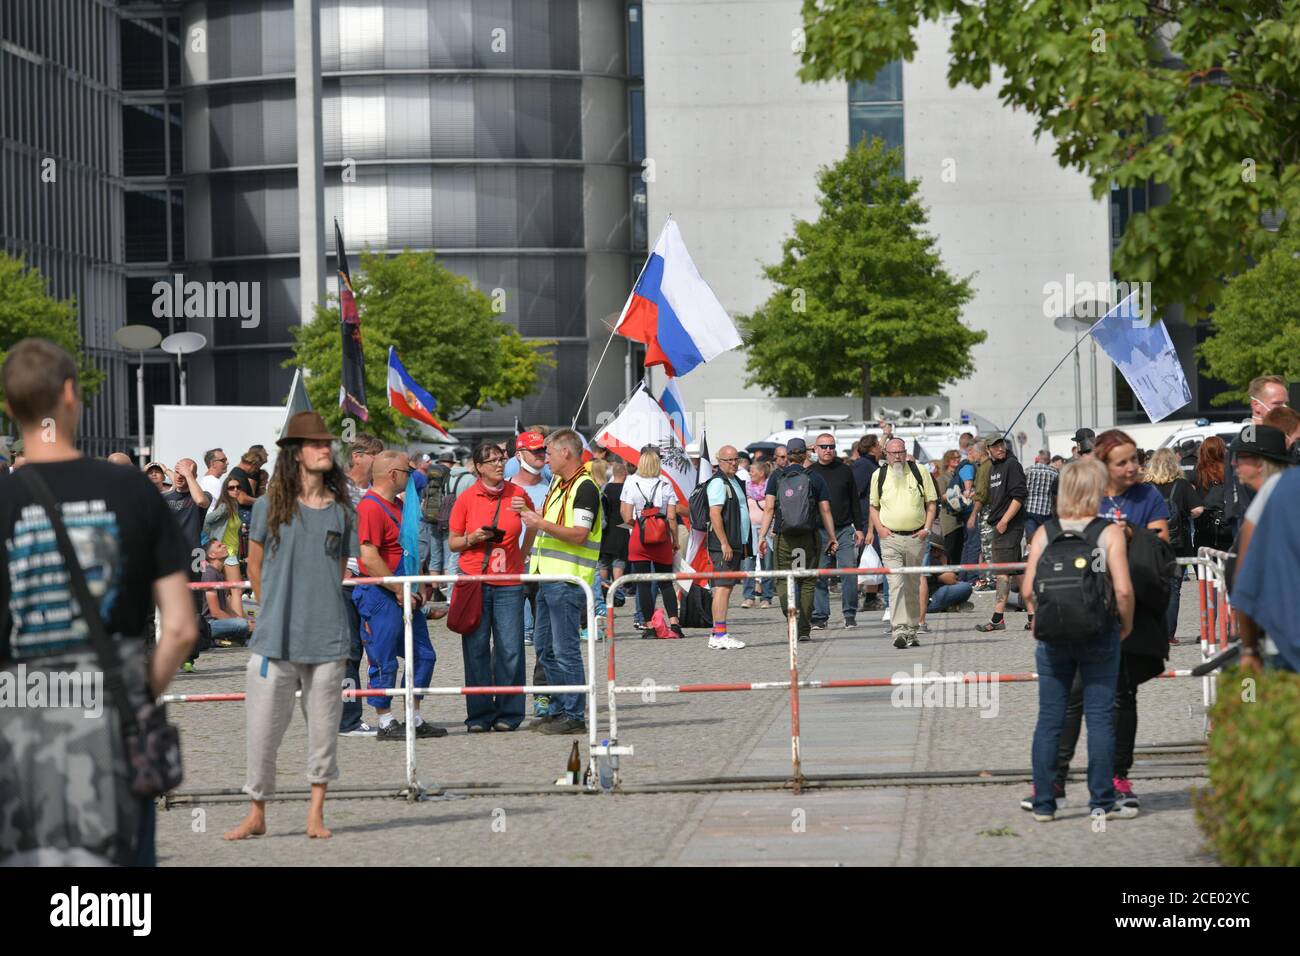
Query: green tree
point(1203, 98)
point(27, 309)
point(1257, 324)
point(446, 335)
point(863, 302)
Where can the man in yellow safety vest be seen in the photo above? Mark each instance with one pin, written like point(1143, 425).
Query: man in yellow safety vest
point(564, 539)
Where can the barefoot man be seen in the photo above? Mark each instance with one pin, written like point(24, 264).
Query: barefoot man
point(302, 533)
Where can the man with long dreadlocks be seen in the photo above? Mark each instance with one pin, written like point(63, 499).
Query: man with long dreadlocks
point(302, 533)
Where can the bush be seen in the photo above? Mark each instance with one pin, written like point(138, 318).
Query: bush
point(1251, 812)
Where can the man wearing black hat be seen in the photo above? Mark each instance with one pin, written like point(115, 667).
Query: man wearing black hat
point(1083, 440)
point(1259, 455)
point(1006, 516)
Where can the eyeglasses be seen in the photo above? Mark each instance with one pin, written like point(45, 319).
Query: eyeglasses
point(493, 461)
point(400, 471)
point(827, 447)
point(728, 459)
point(900, 452)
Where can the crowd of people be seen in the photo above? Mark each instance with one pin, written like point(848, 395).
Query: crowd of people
point(548, 504)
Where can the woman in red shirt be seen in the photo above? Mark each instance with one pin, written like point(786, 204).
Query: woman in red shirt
point(650, 488)
point(485, 530)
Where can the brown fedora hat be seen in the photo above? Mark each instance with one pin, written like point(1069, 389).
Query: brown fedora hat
point(306, 426)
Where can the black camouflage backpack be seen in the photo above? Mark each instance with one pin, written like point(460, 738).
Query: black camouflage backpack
point(1073, 599)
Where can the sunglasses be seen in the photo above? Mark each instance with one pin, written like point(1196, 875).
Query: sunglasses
point(827, 447)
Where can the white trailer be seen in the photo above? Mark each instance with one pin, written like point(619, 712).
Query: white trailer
point(187, 431)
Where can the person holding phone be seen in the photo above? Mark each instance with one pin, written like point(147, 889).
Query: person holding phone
point(485, 529)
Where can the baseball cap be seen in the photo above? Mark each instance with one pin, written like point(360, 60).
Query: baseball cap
point(992, 438)
point(530, 441)
point(795, 445)
point(446, 455)
point(152, 465)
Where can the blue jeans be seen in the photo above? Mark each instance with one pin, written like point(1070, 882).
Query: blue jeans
point(383, 634)
point(970, 553)
point(1171, 611)
point(146, 850)
point(949, 595)
point(1098, 663)
point(1032, 522)
point(845, 557)
point(350, 718)
point(235, 628)
point(494, 657)
point(561, 610)
point(764, 588)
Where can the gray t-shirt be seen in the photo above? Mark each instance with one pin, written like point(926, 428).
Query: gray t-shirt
point(303, 618)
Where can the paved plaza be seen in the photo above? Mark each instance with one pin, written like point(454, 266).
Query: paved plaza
point(695, 736)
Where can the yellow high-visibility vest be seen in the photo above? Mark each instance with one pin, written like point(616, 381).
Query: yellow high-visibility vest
point(553, 556)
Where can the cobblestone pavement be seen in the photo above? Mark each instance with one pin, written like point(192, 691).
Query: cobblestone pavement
point(681, 736)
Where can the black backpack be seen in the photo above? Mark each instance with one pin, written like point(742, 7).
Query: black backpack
point(1177, 530)
point(1073, 599)
point(431, 503)
point(794, 500)
point(699, 504)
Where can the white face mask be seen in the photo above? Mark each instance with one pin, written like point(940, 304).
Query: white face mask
point(523, 463)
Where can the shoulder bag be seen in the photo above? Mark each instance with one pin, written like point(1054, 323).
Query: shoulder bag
point(467, 596)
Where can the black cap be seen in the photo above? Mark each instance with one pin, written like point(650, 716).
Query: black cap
point(795, 445)
point(1084, 435)
point(1264, 441)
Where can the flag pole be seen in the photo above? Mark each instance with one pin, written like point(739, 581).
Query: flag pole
point(614, 331)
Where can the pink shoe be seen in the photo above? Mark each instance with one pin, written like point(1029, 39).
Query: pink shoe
point(1124, 795)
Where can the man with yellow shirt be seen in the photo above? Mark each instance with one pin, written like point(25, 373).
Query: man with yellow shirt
point(903, 507)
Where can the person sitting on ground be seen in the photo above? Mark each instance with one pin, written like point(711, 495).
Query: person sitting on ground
point(222, 608)
point(1097, 659)
point(943, 592)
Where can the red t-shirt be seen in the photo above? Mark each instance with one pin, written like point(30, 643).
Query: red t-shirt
point(474, 509)
point(380, 523)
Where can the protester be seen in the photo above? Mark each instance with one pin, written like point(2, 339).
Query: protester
point(301, 534)
point(952, 481)
point(850, 533)
point(379, 525)
point(1059, 657)
point(781, 456)
point(1006, 500)
point(564, 539)
point(153, 471)
point(529, 476)
point(980, 550)
point(864, 466)
point(903, 506)
point(214, 463)
point(1212, 530)
point(1266, 603)
point(727, 541)
point(1266, 392)
point(222, 608)
point(1040, 500)
point(117, 458)
point(359, 457)
point(804, 504)
point(245, 475)
point(485, 530)
point(614, 542)
point(764, 589)
point(652, 540)
point(65, 797)
point(941, 592)
point(1286, 420)
point(189, 505)
point(222, 524)
point(1184, 506)
point(1084, 439)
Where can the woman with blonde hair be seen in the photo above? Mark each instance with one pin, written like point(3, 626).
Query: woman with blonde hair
point(648, 504)
point(1185, 506)
point(1095, 660)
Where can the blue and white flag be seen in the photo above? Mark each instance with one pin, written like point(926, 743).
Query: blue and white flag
point(671, 402)
point(1146, 357)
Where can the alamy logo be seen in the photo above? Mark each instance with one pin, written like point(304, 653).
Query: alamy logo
point(1092, 300)
point(210, 300)
point(103, 909)
point(77, 690)
point(931, 689)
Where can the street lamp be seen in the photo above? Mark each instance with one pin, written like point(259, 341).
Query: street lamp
point(181, 344)
point(138, 338)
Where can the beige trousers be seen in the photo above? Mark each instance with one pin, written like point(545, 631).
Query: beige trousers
point(268, 708)
point(896, 551)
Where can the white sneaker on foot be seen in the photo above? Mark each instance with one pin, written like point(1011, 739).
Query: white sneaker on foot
point(725, 643)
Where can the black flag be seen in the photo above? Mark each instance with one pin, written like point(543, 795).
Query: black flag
point(352, 390)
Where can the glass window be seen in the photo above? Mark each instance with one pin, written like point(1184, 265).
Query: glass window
point(635, 44)
point(173, 52)
point(639, 210)
point(636, 124)
point(876, 120)
point(885, 87)
point(141, 43)
point(144, 140)
point(146, 226)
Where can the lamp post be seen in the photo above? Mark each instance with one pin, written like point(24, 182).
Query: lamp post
point(138, 338)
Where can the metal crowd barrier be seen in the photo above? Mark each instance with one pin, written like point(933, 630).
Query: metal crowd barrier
point(613, 750)
point(408, 693)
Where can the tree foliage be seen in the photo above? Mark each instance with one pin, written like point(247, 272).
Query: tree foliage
point(1203, 98)
point(1257, 324)
point(863, 303)
point(27, 309)
point(446, 335)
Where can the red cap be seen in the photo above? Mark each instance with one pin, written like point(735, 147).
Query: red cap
point(530, 441)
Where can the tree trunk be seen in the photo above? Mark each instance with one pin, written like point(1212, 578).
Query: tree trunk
point(866, 391)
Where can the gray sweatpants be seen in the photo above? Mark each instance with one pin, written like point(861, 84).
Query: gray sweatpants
point(268, 707)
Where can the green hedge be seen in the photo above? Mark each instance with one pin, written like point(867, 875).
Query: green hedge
point(1251, 812)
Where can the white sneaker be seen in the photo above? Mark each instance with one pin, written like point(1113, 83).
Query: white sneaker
point(885, 616)
point(725, 643)
point(363, 730)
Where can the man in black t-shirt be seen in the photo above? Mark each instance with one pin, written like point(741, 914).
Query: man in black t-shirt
point(132, 556)
point(189, 503)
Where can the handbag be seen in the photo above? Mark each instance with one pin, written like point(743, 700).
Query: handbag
point(651, 524)
point(153, 746)
point(466, 609)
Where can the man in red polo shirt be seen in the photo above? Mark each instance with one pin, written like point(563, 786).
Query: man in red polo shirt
point(379, 525)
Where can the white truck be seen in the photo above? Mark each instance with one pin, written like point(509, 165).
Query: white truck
point(931, 438)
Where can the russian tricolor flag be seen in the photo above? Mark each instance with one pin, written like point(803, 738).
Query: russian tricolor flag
point(673, 311)
point(408, 398)
point(671, 402)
